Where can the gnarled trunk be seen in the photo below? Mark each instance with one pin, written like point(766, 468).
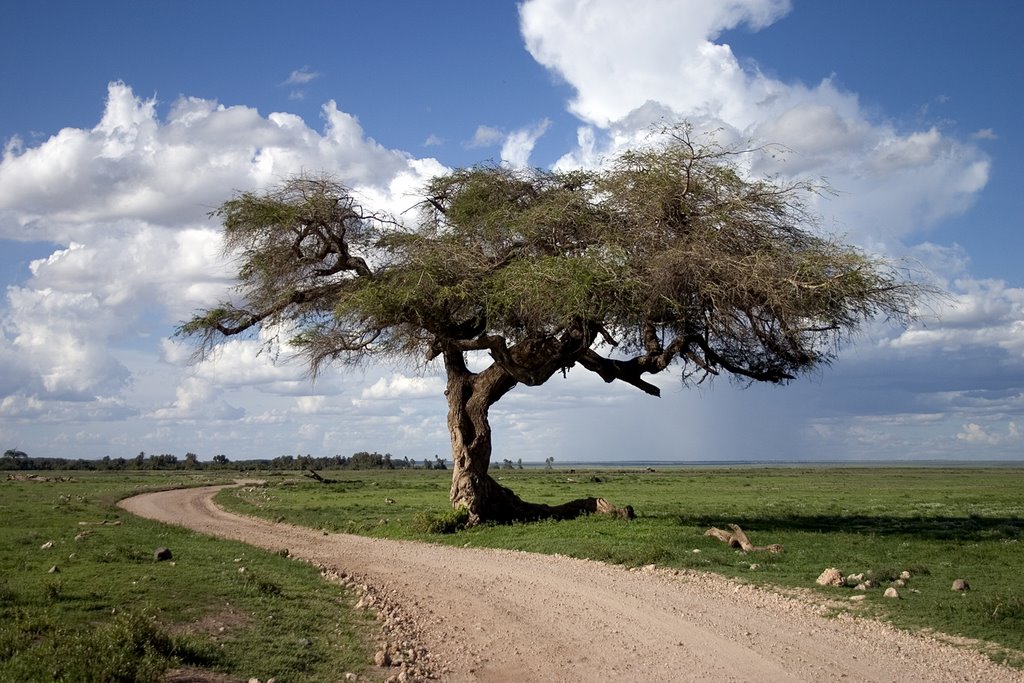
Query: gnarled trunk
point(470, 396)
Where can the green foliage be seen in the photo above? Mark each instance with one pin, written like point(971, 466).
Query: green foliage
point(447, 522)
point(668, 253)
point(129, 648)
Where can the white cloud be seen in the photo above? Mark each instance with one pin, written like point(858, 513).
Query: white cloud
point(485, 136)
point(196, 399)
point(634, 70)
point(979, 314)
point(301, 76)
point(399, 386)
point(518, 145)
point(976, 434)
point(133, 166)
point(617, 58)
point(129, 197)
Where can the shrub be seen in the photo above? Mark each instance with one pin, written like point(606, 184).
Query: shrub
point(444, 523)
point(129, 649)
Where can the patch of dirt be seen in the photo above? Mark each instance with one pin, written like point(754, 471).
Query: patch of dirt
point(473, 614)
point(190, 675)
point(217, 624)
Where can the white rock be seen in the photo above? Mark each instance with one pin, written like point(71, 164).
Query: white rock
point(831, 577)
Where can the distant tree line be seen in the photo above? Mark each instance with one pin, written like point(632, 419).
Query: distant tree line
point(19, 460)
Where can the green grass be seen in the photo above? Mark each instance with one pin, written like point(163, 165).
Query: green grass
point(112, 613)
point(940, 524)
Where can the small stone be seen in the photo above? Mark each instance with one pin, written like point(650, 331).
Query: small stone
point(899, 583)
point(349, 676)
point(54, 570)
point(303, 642)
point(271, 680)
point(242, 570)
point(905, 575)
point(891, 592)
point(854, 579)
point(861, 587)
point(831, 577)
point(858, 598)
point(254, 680)
point(46, 546)
point(382, 658)
point(754, 567)
point(961, 585)
point(161, 554)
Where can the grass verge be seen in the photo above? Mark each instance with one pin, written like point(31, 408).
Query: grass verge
point(83, 599)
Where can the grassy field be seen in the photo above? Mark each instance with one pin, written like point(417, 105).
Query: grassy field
point(109, 612)
point(939, 524)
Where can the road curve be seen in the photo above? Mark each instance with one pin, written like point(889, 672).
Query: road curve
point(497, 616)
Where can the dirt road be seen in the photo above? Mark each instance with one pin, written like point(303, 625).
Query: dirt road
point(493, 615)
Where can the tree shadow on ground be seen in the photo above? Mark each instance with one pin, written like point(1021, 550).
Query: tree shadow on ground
point(969, 528)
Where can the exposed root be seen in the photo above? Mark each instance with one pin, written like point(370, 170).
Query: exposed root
point(493, 502)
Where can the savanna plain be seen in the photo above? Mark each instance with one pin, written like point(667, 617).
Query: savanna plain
point(83, 599)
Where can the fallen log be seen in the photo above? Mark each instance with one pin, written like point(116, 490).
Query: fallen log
point(316, 475)
point(737, 538)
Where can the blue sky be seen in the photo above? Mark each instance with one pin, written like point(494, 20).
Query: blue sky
point(123, 126)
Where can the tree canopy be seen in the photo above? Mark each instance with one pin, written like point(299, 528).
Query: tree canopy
point(669, 256)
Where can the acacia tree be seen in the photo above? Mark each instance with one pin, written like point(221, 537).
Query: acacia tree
point(667, 257)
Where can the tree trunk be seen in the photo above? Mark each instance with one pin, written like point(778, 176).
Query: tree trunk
point(470, 396)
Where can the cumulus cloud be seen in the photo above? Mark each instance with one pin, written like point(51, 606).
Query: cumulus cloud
point(128, 200)
point(518, 145)
point(485, 136)
point(399, 386)
point(976, 434)
point(133, 166)
point(634, 70)
point(978, 314)
point(301, 76)
point(618, 58)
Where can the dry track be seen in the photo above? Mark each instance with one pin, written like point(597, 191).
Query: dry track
point(494, 615)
